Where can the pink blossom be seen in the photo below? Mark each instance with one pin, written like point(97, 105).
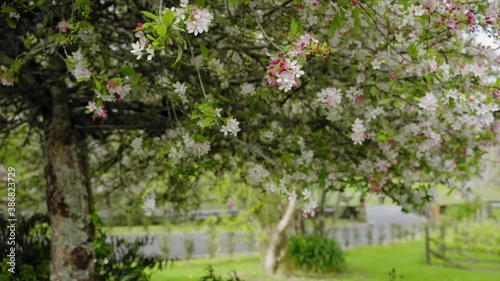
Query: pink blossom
point(6, 81)
point(63, 26)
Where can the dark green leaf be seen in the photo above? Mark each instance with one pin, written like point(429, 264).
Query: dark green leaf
point(204, 50)
point(127, 70)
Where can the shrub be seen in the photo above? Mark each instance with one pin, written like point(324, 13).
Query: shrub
point(115, 258)
point(316, 254)
point(32, 248)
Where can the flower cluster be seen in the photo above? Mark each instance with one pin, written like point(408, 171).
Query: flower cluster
point(231, 127)
point(283, 69)
point(98, 111)
point(142, 45)
point(63, 26)
point(6, 81)
point(165, 27)
point(115, 88)
point(184, 146)
point(149, 203)
point(358, 132)
point(78, 65)
point(180, 89)
point(198, 21)
point(285, 72)
point(257, 174)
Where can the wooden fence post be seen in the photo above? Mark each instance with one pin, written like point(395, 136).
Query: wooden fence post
point(442, 232)
point(369, 234)
point(381, 233)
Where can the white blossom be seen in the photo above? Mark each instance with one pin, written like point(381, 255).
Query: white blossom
point(231, 127)
point(149, 203)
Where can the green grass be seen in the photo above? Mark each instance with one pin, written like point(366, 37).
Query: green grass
point(364, 264)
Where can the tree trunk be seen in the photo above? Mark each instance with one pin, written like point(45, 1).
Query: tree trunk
point(319, 226)
point(68, 195)
point(276, 250)
point(436, 211)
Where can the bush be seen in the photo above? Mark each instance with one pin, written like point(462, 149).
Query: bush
point(32, 248)
point(316, 254)
point(115, 258)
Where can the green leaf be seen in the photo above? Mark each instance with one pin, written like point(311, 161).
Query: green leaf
point(200, 3)
point(293, 28)
point(373, 90)
point(8, 10)
point(98, 85)
point(207, 121)
point(209, 111)
point(413, 51)
point(81, 3)
point(161, 30)
point(234, 3)
point(127, 70)
point(195, 114)
point(150, 15)
point(179, 56)
point(204, 50)
point(135, 80)
point(40, 2)
point(429, 78)
point(381, 138)
point(168, 18)
point(331, 30)
point(82, 79)
point(27, 43)
point(384, 101)
point(10, 23)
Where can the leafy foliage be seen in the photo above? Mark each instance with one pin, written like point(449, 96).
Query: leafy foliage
point(116, 259)
point(32, 248)
point(463, 211)
point(317, 254)
point(210, 276)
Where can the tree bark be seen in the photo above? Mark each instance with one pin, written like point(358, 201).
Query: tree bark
point(276, 250)
point(68, 195)
point(319, 225)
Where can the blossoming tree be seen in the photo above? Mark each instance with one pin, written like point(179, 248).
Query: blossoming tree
point(384, 96)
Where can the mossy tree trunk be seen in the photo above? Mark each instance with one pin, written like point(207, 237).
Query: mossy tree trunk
point(68, 195)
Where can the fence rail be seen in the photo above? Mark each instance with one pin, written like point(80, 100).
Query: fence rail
point(472, 244)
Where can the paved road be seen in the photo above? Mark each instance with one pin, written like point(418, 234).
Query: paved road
point(382, 225)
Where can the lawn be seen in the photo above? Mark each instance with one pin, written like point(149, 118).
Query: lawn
point(369, 263)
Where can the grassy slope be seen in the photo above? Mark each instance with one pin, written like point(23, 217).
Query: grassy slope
point(364, 264)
